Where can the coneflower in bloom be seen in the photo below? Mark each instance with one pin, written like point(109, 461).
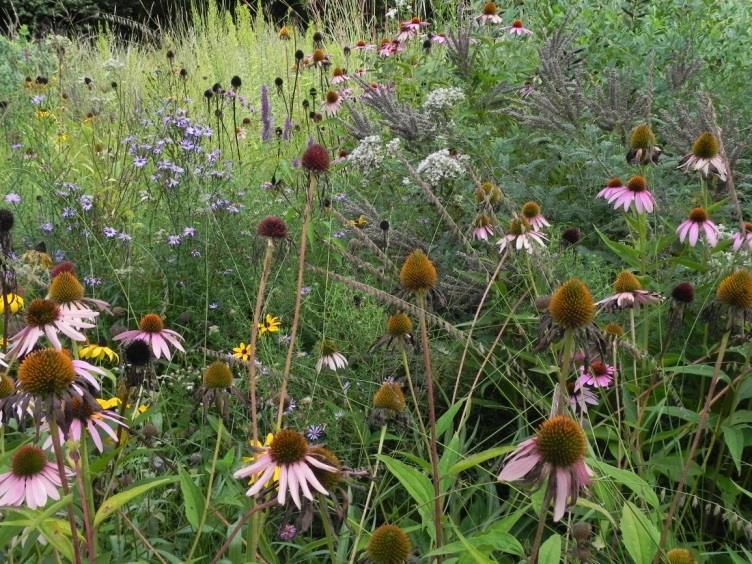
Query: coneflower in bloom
point(330, 357)
point(642, 146)
point(411, 28)
point(705, 157)
point(46, 318)
point(152, 331)
point(31, 481)
point(361, 45)
point(556, 452)
point(339, 75)
point(531, 211)
point(743, 238)
point(489, 14)
point(517, 29)
point(389, 545)
point(698, 223)
point(66, 291)
point(82, 415)
point(634, 192)
point(331, 104)
point(629, 293)
point(483, 228)
point(521, 236)
point(597, 375)
point(290, 455)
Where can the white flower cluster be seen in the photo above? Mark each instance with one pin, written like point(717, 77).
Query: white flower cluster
point(440, 166)
point(112, 64)
point(368, 155)
point(442, 99)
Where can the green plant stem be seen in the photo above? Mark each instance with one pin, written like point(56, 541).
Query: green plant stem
point(236, 530)
point(703, 420)
point(88, 527)
point(434, 453)
point(212, 471)
point(406, 366)
point(86, 475)
point(566, 365)
point(328, 528)
point(542, 521)
point(298, 298)
point(368, 497)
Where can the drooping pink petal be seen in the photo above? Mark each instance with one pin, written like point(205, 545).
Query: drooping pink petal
point(518, 469)
point(561, 493)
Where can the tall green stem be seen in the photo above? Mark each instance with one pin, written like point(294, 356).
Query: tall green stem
point(208, 490)
point(566, 366)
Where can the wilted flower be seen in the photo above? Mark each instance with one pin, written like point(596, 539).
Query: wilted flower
point(705, 157)
point(642, 146)
point(489, 15)
point(743, 238)
point(399, 328)
point(483, 227)
point(520, 236)
point(89, 416)
point(698, 223)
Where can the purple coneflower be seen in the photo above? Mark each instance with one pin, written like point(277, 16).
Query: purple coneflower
point(743, 238)
point(67, 292)
point(332, 103)
point(696, 224)
point(330, 357)
point(483, 228)
point(705, 157)
point(339, 76)
point(46, 318)
point(289, 455)
point(532, 213)
point(364, 46)
point(85, 415)
point(31, 480)
point(628, 293)
point(636, 191)
point(556, 452)
point(597, 375)
point(152, 331)
point(521, 236)
point(580, 398)
point(518, 29)
point(489, 15)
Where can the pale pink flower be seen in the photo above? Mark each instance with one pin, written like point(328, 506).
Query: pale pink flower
point(635, 192)
point(339, 76)
point(152, 331)
point(581, 398)
point(331, 104)
point(743, 238)
point(89, 416)
point(439, 38)
point(698, 224)
point(517, 29)
point(597, 375)
point(521, 236)
point(483, 228)
point(330, 357)
point(363, 46)
point(411, 28)
point(46, 318)
point(532, 213)
point(489, 15)
point(628, 293)
point(555, 453)
point(290, 457)
point(705, 157)
point(31, 481)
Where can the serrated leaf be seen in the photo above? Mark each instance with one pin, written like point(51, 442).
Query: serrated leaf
point(639, 534)
point(115, 502)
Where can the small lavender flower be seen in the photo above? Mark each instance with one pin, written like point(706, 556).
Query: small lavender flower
point(173, 240)
point(305, 290)
point(339, 414)
point(266, 114)
point(340, 197)
point(92, 281)
point(284, 339)
point(12, 198)
point(314, 432)
point(340, 235)
point(139, 161)
point(125, 237)
point(58, 255)
point(291, 406)
point(287, 532)
point(38, 100)
point(46, 228)
point(86, 202)
point(189, 232)
point(68, 213)
point(110, 232)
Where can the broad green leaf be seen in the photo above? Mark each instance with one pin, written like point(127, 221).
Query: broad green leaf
point(416, 484)
point(476, 555)
point(734, 438)
point(640, 535)
point(58, 534)
point(624, 252)
point(446, 419)
point(115, 502)
point(479, 458)
point(193, 499)
point(631, 480)
point(696, 370)
point(550, 551)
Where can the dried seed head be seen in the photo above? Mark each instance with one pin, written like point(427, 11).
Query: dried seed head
point(418, 273)
point(217, 375)
point(28, 461)
point(572, 235)
point(571, 305)
point(582, 531)
point(288, 447)
point(518, 226)
point(6, 220)
point(705, 146)
point(236, 82)
point(698, 215)
point(327, 479)
point(614, 330)
point(332, 97)
point(315, 158)
point(399, 325)
point(488, 192)
point(626, 282)
point(7, 386)
point(151, 323)
point(65, 288)
point(736, 290)
point(389, 545)
point(390, 396)
point(327, 347)
point(561, 441)
point(531, 210)
point(46, 372)
point(138, 353)
point(319, 56)
point(483, 220)
point(272, 227)
point(680, 556)
point(683, 292)
point(637, 183)
point(642, 137)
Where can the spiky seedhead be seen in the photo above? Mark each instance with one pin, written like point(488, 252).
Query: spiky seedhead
point(315, 158)
point(327, 479)
point(683, 292)
point(637, 183)
point(389, 545)
point(626, 282)
point(736, 290)
point(41, 312)
point(698, 215)
point(489, 9)
point(45, 373)
point(571, 235)
point(680, 556)
point(7, 386)
point(319, 56)
point(399, 325)
point(390, 396)
point(571, 305)
point(582, 531)
point(272, 227)
point(642, 137)
point(561, 441)
point(151, 323)
point(706, 146)
point(28, 461)
point(217, 375)
point(65, 288)
point(614, 330)
point(288, 447)
point(138, 353)
point(418, 273)
point(488, 192)
point(518, 226)
point(531, 210)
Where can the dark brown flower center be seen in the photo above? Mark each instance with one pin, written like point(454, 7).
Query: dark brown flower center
point(698, 215)
point(151, 323)
point(331, 97)
point(517, 24)
point(46, 372)
point(598, 368)
point(489, 9)
point(288, 447)
point(637, 184)
point(614, 182)
point(561, 441)
point(41, 312)
point(531, 210)
point(28, 461)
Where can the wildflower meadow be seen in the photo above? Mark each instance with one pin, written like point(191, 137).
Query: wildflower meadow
point(416, 282)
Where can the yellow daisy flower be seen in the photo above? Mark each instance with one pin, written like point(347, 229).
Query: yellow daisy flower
point(242, 352)
point(270, 324)
point(359, 222)
point(15, 303)
point(249, 459)
point(108, 403)
point(98, 352)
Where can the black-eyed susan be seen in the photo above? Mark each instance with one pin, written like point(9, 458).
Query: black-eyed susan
point(359, 222)
point(98, 351)
point(270, 324)
point(14, 301)
point(242, 352)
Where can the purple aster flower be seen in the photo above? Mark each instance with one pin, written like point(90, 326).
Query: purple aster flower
point(173, 240)
point(16, 146)
point(287, 532)
point(314, 432)
point(305, 290)
point(340, 235)
point(139, 162)
point(172, 182)
point(125, 237)
point(291, 406)
point(213, 306)
point(47, 227)
point(86, 202)
point(12, 198)
point(186, 145)
point(68, 213)
point(58, 255)
point(189, 232)
point(109, 232)
point(38, 100)
point(341, 197)
point(92, 281)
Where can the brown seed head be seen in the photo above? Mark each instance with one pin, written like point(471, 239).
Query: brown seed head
point(736, 290)
point(288, 447)
point(65, 288)
point(390, 396)
point(571, 305)
point(389, 545)
point(561, 441)
point(418, 273)
point(626, 282)
point(151, 323)
point(705, 146)
point(45, 373)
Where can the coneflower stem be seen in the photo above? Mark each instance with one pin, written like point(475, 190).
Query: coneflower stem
point(406, 366)
point(88, 528)
point(703, 421)
point(566, 365)
point(437, 505)
point(298, 297)
point(542, 522)
point(254, 335)
point(234, 532)
point(201, 521)
point(370, 493)
point(55, 436)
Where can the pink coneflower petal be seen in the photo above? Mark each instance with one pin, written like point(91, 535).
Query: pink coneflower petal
point(563, 484)
point(292, 483)
point(282, 494)
point(517, 469)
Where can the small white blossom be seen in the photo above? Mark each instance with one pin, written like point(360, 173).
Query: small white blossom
point(368, 155)
point(440, 166)
point(113, 64)
point(443, 99)
point(394, 145)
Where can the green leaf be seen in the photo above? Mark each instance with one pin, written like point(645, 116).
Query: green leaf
point(734, 438)
point(115, 502)
point(443, 423)
point(476, 555)
point(417, 485)
point(696, 370)
point(57, 532)
point(624, 252)
point(479, 458)
point(550, 551)
point(640, 535)
point(631, 480)
point(193, 499)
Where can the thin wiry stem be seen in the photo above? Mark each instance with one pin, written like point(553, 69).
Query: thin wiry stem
point(542, 521)
point(253, 510)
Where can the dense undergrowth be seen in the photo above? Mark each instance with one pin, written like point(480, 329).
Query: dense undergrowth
point(466, 290)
